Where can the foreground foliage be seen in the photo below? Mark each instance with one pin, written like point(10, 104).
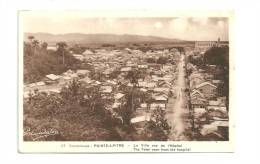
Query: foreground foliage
point(79, 114)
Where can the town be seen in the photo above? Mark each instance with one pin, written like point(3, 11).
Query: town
point(129, 92)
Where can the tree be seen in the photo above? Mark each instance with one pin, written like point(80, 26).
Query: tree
point(35, 45)
point(157, 129)
point(44, 46)
point(151, 60)
point(77, 114)
point(31, 38)
point(160, 120)
point(162, 60)
point(133, 77)
point(61, 48)
point(219, 56)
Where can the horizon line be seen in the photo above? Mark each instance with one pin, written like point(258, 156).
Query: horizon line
point(121, 34)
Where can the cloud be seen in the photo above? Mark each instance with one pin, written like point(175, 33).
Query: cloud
point(158, 25)
point(186, 28)
point(199, 28)
point(201, 20)
point(179, 25)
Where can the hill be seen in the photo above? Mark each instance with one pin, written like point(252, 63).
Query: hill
point(97, 38)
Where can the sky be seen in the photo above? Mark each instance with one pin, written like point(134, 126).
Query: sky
point(185, 28)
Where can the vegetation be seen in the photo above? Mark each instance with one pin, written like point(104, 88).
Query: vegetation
point(38, 61)
point(218, 56)
point(61, 50)
point(157, 129)
point(77, 114)
point(78, 49)
point(160, 60)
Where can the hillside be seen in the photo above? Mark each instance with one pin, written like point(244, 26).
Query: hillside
point(97, 38)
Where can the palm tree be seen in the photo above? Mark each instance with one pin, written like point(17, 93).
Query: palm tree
point(31, 38)
point(61, 47)
point(133, 77)
point(35, 44)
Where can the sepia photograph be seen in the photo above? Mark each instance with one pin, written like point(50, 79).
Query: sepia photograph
point(123, 78)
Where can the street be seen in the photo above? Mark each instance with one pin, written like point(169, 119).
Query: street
point(176, 113)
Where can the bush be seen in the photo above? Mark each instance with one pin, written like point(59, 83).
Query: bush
point(41, 62)
point(74, 116)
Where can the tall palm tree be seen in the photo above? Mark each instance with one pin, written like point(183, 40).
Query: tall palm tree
point(133, 77)
point(31, 38)
point(61, 47)
point(35, 44)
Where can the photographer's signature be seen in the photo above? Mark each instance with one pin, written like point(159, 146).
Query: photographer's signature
point(40, 134)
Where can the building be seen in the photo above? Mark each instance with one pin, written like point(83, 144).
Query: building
point(207, 89)
point(205, 45)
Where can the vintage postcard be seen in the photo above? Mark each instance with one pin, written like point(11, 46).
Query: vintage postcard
point(126, 81)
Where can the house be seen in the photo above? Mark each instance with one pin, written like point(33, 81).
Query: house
point(154, 66)
point(213, 127)
point(162, 98)
point(155, 106)
point(82, 72)
point(68, 72)
point(143, 105)
point(143, 90)
point(143, 108)
point(86, 80)
point(164, 84)
point(40, 83)
point(119, 96)
point(167, 77)
point(53, 77)
point(198, 102)
point(106, 89)
point(218, 105)
point(66, 78)
point(143, 66)
point(161, 90)
point(217, 82)
point(208, 77)
point(196, 94)
point(196, 81)
point(126, 69)
point(198, 112)
point(32, 85)
point(167, 67)
point(87, 52)
point(97, 82)
point(78, 56)
point(108, 71)
point(54, 89)
point(139, 119)
point(142, 84)
point(207, 89)
point(111, 82)
point(116, 105)
point(26, 94)
point(151, 85)
point(191, 67)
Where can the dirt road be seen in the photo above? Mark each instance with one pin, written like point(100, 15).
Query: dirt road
point(178, 108)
